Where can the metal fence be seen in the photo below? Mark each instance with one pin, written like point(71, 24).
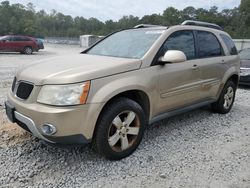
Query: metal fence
point(62, 40)
point(242, 43)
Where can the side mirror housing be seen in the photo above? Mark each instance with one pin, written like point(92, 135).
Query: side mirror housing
point(173, 56)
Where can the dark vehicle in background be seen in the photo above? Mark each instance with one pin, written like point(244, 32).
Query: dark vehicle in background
point(22, 44)
point(245, 67)
point(40, 44)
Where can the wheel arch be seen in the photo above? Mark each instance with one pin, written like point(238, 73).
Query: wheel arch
point(234, 76)
point(27, 46)
point(138, 96)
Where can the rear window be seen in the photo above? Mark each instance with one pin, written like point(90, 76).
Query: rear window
point(209, 45)
point(230, 44)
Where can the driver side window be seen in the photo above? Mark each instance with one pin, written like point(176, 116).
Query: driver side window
point(182, 41)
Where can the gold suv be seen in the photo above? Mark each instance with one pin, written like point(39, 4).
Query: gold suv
point(109, 93)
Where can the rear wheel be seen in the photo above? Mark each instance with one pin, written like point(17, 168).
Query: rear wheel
point(119, 129)
point(28, 50)
point(226, 99)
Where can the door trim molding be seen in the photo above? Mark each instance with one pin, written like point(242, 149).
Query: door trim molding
point(181, 110)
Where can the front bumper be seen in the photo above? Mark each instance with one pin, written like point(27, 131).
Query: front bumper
point(74, 124)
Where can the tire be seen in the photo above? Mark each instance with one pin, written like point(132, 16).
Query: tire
point(28, 50)
point(119, 129)
point(225, 102)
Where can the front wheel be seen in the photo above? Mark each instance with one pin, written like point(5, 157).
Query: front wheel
point(226, 99)
point(119, 129)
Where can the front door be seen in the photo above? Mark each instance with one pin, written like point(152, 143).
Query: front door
point(179, 83)
point(5, 44)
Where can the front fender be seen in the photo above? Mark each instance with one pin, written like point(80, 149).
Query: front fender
point(104, 89)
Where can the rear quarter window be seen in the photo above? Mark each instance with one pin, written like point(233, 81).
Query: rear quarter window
point(230, 44)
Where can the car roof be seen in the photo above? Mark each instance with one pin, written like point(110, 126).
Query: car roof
point(191, 24)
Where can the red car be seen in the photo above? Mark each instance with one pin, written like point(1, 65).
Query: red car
point(22, 44)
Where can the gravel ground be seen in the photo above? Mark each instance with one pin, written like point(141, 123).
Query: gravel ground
point(196, 149)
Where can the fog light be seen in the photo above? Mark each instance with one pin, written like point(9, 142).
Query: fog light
point(49, 129)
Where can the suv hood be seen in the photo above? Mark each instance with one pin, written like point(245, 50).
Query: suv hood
point(73, 69)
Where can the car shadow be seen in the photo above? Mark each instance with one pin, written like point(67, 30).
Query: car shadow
point(13, 53)
point(40, 53)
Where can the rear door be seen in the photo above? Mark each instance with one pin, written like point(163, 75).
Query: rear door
point(211, 62)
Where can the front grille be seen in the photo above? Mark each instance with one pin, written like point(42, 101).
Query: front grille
point(24, 90)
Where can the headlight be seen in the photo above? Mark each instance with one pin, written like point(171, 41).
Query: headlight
point(63, 95)
point(244, 71)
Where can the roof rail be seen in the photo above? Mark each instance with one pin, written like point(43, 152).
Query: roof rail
point(146, 26)
point(202, 24)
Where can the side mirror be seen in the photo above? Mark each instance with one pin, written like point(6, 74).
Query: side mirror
point(173, 56)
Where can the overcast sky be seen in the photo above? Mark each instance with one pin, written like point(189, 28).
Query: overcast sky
point(115, 9)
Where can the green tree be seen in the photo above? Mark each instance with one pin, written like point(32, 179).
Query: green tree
point(25, 20)
point(171, 16)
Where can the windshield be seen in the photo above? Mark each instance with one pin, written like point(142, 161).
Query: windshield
point(1, 38)
point(127, 44)
point(245, 54)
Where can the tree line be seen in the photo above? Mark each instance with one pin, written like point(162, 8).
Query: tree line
point(25, 20)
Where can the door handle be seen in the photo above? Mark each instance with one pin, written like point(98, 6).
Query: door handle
point(195, 67)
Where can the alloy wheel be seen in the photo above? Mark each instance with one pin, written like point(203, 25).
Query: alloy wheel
point(28, 50)
point(228, 97)
point(123, 131)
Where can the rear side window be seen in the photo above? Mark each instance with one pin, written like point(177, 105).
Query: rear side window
point(25, 39)
point(21, 39)
point(183, 41)
point(17, 39)
point(209, 45)
point(230, 44)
